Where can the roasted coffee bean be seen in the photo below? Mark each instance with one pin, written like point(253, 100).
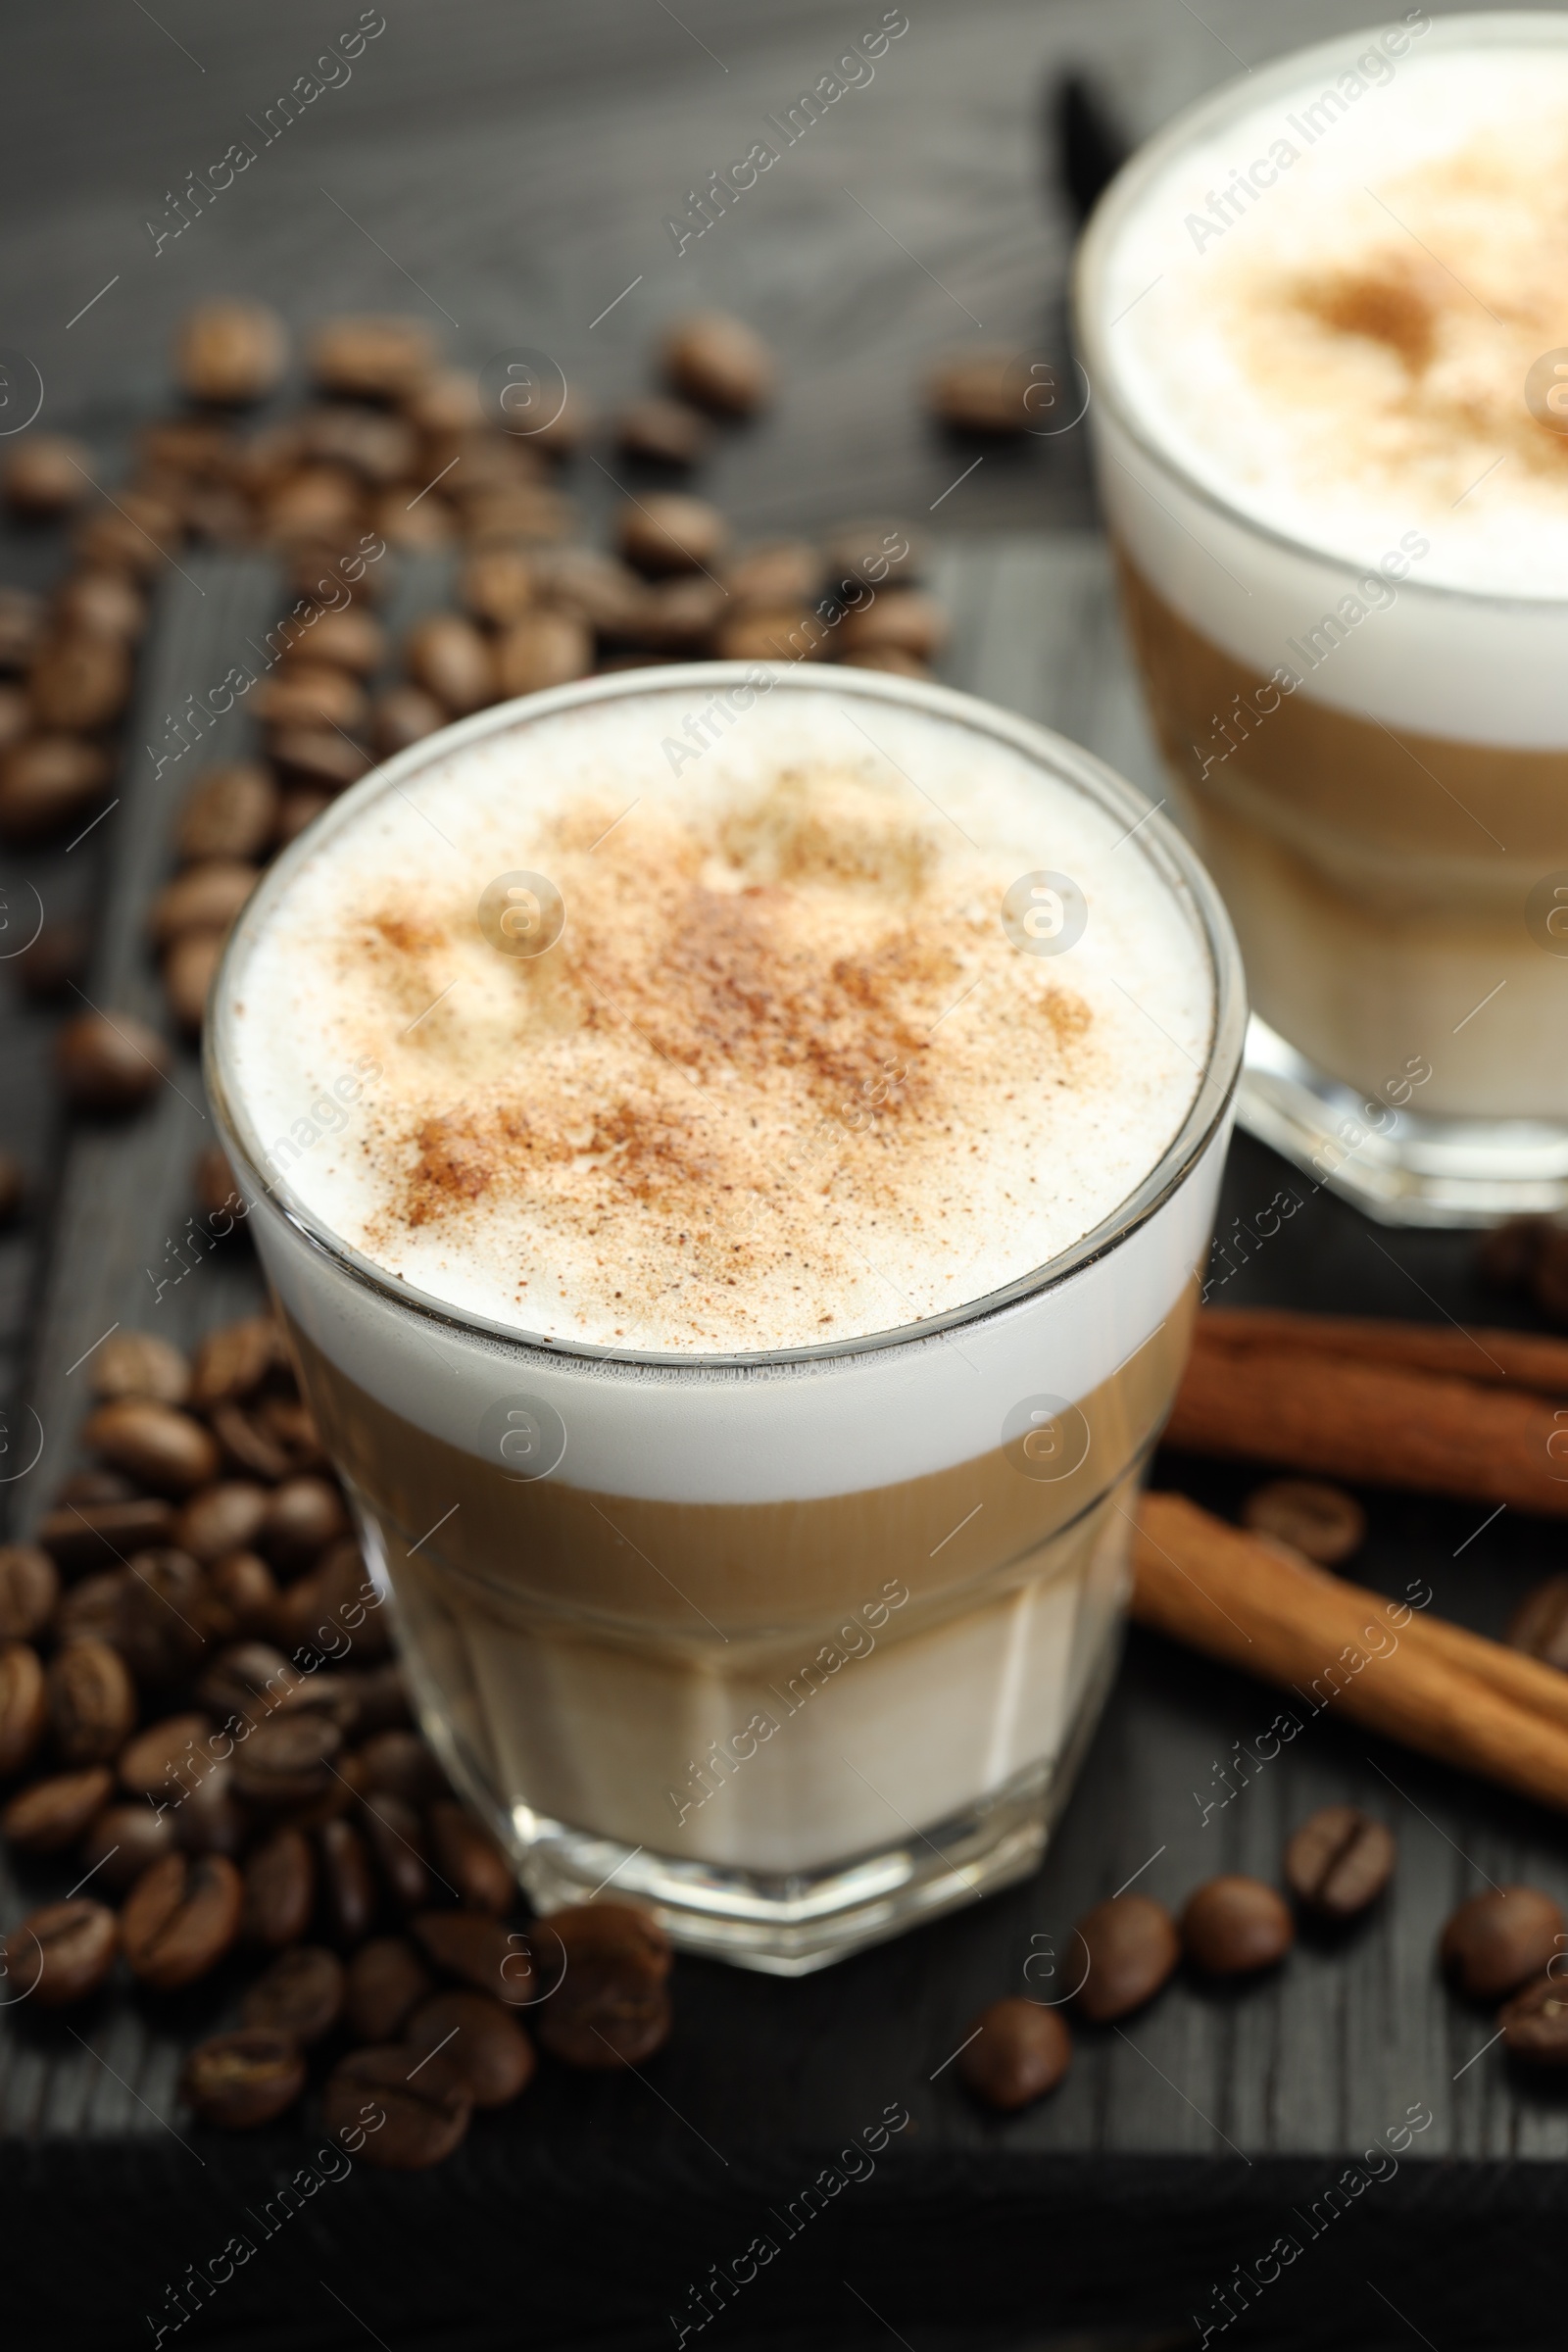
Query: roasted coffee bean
point(1534, 2023)
point(300, 807)
point(348, 1882)
point(788, 634)
point(301, 1518)
point(372, 357)
point(540, 650)
point(230, 353)
point(53, 1813)
point(339, 1602)
point(279, 1890)
point(247, 1682)
point(379, 449)
point(219, 1519)
point(663, 432)
point(15, 721)
point(101, 603)
point(180, 1918)
point(1339, 1861)
point(45, 474)
point(109, 1064)
point(497, 586)
point(401, 1762)
point(608, 1962)
point(135, 534)
point(1323, 1521)
point(667, 532)
point(313, 694)
point(1129, 1945)
point(169, 1757)
point(403, 715)
point(301, 1994)
point(83, 1535)
point(1548, 1275)
point(879, 552)
point(889, 657)
point(122, 1841)
point(160, 1616)
point(389, 2115)
point(291, 1426)
point(55, 963)
point(480, 1950)
point(20, 628)
point(135, 1363)
point(719, 362)
point(680, 616)
point(447, 656)
point(381, 1699)
point(386, 1981)
point(237, 2082)
point(513, 511)
point(210, 1820)
point(395, 1836)
point(23, 1705)
point(86, 1488)
point(405, 521)
point(204, 897)
point(987, 392)
point(245, 1586)
point(156, 1444)
point(247, 1444)
point(586, 582)
point(92, 1702)
point(779, 575)
point(480, 2040)
point(1232, 1926)
point(232, 814)
point(287, 1760)
point(232, 1363)
point(1017, 2053)
point(213, 1183)
point(471, 1861)
point(1497, 1940)
point(78, 685)
point(62, 1953)
point(901, 620)
point(49, 784)
point(349, 639)
point(29, 1589)
point(319, 757)
point(311, 503)
point(1540, 1624)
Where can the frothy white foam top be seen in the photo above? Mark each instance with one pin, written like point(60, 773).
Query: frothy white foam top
point(782, 1080)
point(1340, 342)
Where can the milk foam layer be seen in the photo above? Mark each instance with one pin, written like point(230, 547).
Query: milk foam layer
point(783, 1079)
point(1326, 305)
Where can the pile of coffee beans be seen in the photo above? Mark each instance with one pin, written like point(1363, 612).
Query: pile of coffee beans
point(201, 1726)
point(1529, 1255)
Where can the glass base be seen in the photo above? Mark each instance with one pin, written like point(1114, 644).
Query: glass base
point(1405, 1170)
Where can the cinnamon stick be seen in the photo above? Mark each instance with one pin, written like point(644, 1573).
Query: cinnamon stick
point(1514, 1358)
point(1453, 1695)
point(1284, 1395)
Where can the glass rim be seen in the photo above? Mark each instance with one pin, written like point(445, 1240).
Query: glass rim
point(1175, 862)
point(1506, 29)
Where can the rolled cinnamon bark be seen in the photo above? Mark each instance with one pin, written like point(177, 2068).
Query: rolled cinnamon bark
point(1509, 1358)
point(1285, 1396)
point(1339, 1645)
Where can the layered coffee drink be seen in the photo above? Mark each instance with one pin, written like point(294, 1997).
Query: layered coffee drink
point(733, 1151)
point(1326, 319)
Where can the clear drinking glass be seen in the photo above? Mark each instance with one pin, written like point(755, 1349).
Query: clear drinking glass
point(795, 1647)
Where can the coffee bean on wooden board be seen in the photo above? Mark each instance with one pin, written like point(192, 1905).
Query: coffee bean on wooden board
point(663, 432)
point(92, 1702)
point(169, 1757)
point(396, 1837)
point(230, 353)
point(1534, 2023)
point(180, 1918)
point(1018, 2051)
point(247, 1682)
point(480, 2040)
point(1234, 1926)
point(990, 393)
point(483, 1953)
point(1322, 1521)
point(53, 1813)
point(386, 1981)
point(471, 1861)
point(101, 603)
point(391, 2112)
point(154, 1443)
point(719, 362)
point(61, 1954)
point(78, 685)
point(300, 1995)
point(348, 1899)
point(300, 1519)
point(1129, 1947)
point(215, 1189)
point(1339, 1861)
point(279, 1890)
point(401, 1762)
point(151, 1610)
point(206, 897)
point(448, 657)
point(244, 1586)
point(1497, 1940)
point(372, 357)
point(240, 2081)
point(137, 1363)
point(540, 650)
point(901, 620)
point(403, 715)
point(45, 476)
point(82, 1535)
point(55, 963)
point(608, 1962)
point(221, 1518)
point(122, 1841)
point(668, 532)
point(29, 1590)
point(230, 813)
point(1540, 1624)
point(287, 1760)
point(23, 1705)
point(50, 784)
point(230, 1363)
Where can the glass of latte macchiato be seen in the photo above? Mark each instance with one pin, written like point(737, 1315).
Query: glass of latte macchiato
point(733, 1150)
point(1325, 313)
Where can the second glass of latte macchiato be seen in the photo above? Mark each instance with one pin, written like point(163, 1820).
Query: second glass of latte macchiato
point(733, 1150)
point(1325, 317)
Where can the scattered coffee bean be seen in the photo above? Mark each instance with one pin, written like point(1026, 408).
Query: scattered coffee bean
point(372, 357)
point(1339, 1861)
point(301, 1519)
point(232, 814)
point(279, 1892)
point(1540, 1624)
point(101, 603)
point(1234, 1926)
point(247, 1444)
point(1323, 1522)
point(396, 1839)
point(891, 658)
point(240, 2081)
point(62, 1952)
point(382, 1699)
point(1019, 2052)
point(50, 1814)
point(479, 1951)
point(719, 362)
point(204, 897)
point(45, 474)
point(471, 1861)
point(23, 1705)
point(1497, 1940)
point(92, 1702)
point(780, 575)
point(135, 1363)
point(447, 656)
point(611, 2006)
point(349, 639)
point(29, 1589)
point(403, 715)
point(292, 1428)
point(988, 392)
point(180, 1918)
point(1534, 2023)
point(109, 1063)
point(301, 1994)
point(668, 532)
point(663, 432)
point(245, 1586)
point(123, 1840)
point(219, 1519)
point(20, 628)
point(78, 685)
point(319, 759)
point(230, 353)
point(541, 650)
point(386, 1981)
point(169, 1757)
point(154, 1443)
point(482, 2042)
point(347, 1882)
point(287, 1760)
point(789, 634)
point(390, 2115)
point(680, 616)
point(55, 963)
point(209, 1820)
point(82, 1536)
point(1129, 1947)
point(49, 784)
point(158, 1622)
point(232, 1363)
point(216, 1191)
point(401, 1762)
point(901, 621)
point(247, 1682)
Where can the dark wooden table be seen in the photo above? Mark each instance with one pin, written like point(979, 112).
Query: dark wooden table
point(519, 165)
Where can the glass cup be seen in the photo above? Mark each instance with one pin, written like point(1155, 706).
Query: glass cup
point(1391, 831)
point(795, 1648)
